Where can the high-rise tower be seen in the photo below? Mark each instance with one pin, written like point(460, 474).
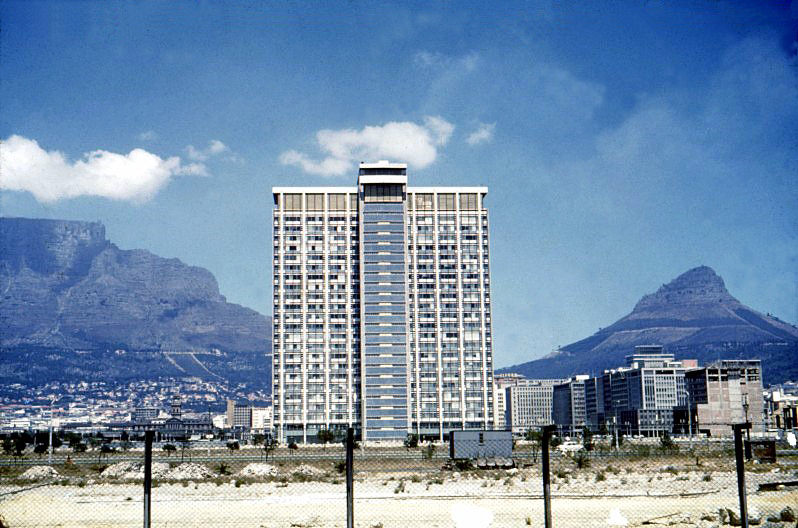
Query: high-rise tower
point(381, 308)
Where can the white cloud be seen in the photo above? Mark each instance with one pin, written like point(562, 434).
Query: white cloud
point(49, 176)
point(214, 148)
point(148, 135)
point(403, 141)
point(483, 134)
point(436, 60)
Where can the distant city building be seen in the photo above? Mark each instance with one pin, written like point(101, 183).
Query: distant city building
point(639, 398)
point(781, 404)
point(238, 416)
point(382, 308)
point(568, 405)
point(176, 426)
point(500, 384)
point(727, 392)
point(529, 404)
point(145, 414)
point(248, 416)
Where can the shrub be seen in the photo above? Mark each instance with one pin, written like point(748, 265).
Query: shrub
point(429, 451)
point(340, 467)
point(415, 478)
point(400, 487)
point(707, 478)
point(600, 476)
point(582, 460)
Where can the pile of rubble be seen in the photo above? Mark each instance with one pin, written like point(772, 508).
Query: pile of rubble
point(727, 516)
point(307, 471)
point(134, 471)
point(258, 470)
point(188, 471)
point(39, 473)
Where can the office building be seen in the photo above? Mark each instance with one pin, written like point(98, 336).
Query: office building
point(529, 404)
point(500, 384)
point(249, 417)
point(724, 393)
point(381, 308)
point(569, 411)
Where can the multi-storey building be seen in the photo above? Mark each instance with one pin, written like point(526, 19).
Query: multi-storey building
point(500, 384)
point(639, 398)
point(569, 411)
point(724, 393)
point(381, 308)
point(529, 404)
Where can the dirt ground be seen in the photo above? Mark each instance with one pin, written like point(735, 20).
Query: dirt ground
point(663, 495)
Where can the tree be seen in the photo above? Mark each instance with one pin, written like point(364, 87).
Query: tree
point(292, 446)
point(269, 445)
point(587, 439)
point(411, 442)
point(535, 438)
point(169, 449)
point(8, 445)
point(667, 443)
point(325, 436)
point(105, 450)
point(40, 449)
point(555, 441)
point(79, 447)
point(20, 443)
point(258, 439)
point(233, 445)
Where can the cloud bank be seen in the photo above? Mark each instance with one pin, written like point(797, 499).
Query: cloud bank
point(49, 176)
point(405, 141)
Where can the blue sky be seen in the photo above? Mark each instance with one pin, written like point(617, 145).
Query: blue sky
point(623, 143)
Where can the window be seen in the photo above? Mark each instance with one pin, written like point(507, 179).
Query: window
point(383, 193)
point(423, 202)
point(353, 203)
point(315, 202)
point(468, 202)
point(293, 202)
point(446, 202)
point(337, 202)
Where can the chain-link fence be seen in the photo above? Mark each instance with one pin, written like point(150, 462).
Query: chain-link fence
point(653, 481)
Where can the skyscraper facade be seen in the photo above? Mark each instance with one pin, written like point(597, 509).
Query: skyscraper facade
point(381, 308)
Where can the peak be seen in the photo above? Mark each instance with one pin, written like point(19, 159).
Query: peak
point(695, 286)
point(700, 276)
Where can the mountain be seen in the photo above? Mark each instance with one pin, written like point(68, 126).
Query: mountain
point(693, 316)
point(75, 307)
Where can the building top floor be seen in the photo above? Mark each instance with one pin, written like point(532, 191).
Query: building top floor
point(381, 181)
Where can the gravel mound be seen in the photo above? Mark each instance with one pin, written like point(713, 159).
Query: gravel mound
point(39, 473)
point(134, 471)
point(308, 471)
point(258, 470)
point(188, 471)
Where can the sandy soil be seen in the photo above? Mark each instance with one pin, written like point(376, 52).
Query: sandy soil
point(395, 500)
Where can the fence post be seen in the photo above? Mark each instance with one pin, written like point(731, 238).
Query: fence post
point(547, 430)
point(739, 457)
point(350, 499)
point(148, 436)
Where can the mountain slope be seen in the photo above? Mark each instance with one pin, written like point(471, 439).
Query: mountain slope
point(73, 306)
point(693, 316)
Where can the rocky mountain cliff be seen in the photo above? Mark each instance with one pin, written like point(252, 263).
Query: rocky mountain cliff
point(73, 306)
point(693, 316)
